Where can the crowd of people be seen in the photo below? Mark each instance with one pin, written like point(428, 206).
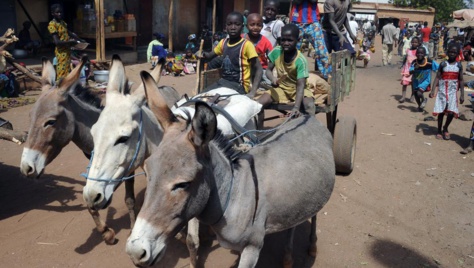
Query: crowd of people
point(253, 47)
point(425, 51)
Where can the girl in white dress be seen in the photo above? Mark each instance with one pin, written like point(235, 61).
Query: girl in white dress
point(446, 85)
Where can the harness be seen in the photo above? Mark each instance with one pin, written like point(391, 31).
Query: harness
point(123, 178)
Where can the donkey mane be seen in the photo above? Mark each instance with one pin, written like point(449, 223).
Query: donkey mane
point(227, 147)
point(88, 96)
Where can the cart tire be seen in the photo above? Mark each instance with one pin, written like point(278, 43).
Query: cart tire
point(344, 147)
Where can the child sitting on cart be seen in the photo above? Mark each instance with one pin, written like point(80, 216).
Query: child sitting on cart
point(261, 43)
point(240, 60)
point(292, 71)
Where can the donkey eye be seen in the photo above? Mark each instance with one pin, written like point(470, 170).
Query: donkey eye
point(122, 139)
point(181, 185)
point(49, 123)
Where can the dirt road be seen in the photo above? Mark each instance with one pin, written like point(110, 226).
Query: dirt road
point(408, 202)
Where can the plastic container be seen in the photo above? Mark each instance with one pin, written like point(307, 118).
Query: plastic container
point(101, 76)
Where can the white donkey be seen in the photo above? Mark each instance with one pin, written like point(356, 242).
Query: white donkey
point(275, 186)
point(125, 134)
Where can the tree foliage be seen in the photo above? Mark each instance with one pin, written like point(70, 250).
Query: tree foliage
point(444, 8)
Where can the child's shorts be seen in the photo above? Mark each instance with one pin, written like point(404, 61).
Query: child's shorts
point(280, 95)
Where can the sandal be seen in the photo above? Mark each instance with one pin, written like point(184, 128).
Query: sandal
point(446, 135)
point(439, 136)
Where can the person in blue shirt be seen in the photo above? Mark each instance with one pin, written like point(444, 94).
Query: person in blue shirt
point(156, 52)
point(420, 70)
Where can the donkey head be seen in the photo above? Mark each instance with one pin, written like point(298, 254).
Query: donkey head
point(116, 134)
point(177, 190)
point(51, 121)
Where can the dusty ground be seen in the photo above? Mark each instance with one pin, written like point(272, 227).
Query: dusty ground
point(408, 203)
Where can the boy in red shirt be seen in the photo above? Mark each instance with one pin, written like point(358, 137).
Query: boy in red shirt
point(261, 43)
point(425, 34)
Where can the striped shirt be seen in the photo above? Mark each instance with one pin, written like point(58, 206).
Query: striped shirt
point(235, 65)
point(305, 12)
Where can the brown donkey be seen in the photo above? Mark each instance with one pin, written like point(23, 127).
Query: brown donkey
point(194, 173)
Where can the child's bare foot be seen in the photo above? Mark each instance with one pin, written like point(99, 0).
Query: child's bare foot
point(412, 99)
point(423, 104)
point(466, 150)
point(401, 100)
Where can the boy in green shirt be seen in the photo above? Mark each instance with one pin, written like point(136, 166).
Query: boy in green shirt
point(292, 72)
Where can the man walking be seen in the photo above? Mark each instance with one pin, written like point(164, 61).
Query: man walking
point(389, 40)
point(335, 25)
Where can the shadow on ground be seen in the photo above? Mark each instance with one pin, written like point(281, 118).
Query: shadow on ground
point(19, 194)
point(428, 130)
point(273, 250)
point(394, 255)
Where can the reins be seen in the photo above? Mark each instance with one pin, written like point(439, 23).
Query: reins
point(123, 178)
point(227, 200)
point(262, 131)
point(226, 204)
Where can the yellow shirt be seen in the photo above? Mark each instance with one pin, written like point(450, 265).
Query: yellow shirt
point(236, 65)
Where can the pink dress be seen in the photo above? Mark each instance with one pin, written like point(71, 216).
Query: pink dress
point(406, 77)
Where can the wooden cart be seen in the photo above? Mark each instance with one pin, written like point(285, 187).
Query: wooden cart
point(344, 128)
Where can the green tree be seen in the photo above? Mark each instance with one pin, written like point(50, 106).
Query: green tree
point(444, 8)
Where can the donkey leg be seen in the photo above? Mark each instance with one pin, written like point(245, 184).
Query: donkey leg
point(313, 238)
point(249, 256)
point(130, 199)
point(107, 233)
point(192, 241)
point(288, 258)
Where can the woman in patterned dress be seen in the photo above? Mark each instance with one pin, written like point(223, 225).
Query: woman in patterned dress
point(61, 36)
point(448, 81)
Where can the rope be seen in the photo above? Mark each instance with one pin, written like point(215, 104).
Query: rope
point(261, 131)
point(227, 200)
point(123, 178)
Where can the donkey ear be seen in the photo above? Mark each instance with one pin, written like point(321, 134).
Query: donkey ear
point(139, 92)
point(71, 80)
point(117, 79)
point(156, 102)
point(48, 76)
point(204, 125)
point(170, 95)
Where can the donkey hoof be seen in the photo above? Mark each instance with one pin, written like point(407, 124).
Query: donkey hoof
point(181, 236)
point(109, 236)
point(313, 250)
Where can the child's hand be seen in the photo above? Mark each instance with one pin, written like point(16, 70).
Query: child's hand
point(294, 113)
point(275, 83)
point(431, 95)
point(461, 99)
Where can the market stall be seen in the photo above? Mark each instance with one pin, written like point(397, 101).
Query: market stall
point(114, 26)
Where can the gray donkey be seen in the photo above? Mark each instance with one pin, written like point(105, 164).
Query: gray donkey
point(194, 173)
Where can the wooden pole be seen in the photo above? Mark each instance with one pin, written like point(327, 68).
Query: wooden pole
point(24, 70)
point(261, 7)
point(214, 7)
point(289, 12)
point(100, 31)
point(170, 26)
point(198, 68)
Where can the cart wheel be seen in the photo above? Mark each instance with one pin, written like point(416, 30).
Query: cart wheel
point(345, 137)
